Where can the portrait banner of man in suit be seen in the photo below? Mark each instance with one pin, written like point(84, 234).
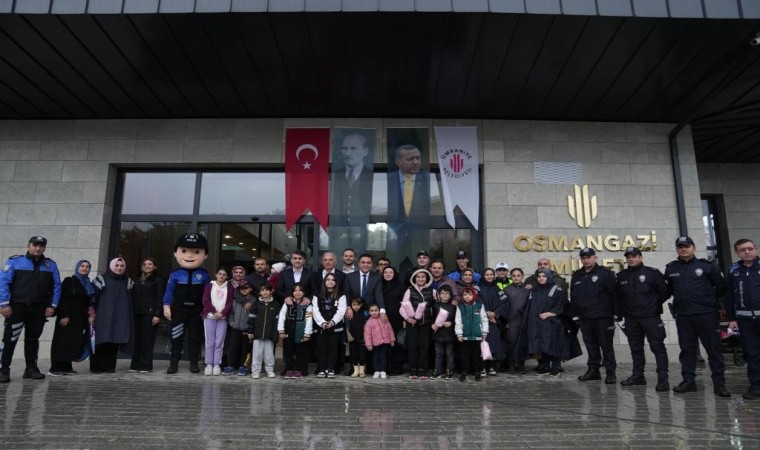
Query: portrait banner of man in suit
point(409, 181)
point(353, 155)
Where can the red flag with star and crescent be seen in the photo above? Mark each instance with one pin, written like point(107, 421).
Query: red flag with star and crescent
point(307, 163)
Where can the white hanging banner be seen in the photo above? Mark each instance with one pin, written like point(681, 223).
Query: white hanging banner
point(460, 178)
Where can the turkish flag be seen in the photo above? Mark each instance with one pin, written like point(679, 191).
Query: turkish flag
point(307, 162)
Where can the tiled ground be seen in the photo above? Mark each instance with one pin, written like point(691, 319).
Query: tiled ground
point(508, 411)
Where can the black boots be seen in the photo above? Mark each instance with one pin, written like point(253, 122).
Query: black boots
point(634, 380)
point(173, 367)
point(610, 378)
point(34, 373)
point(685, 386)
point(591, 374)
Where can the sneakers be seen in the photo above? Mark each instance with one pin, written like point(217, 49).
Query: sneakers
point(321, 374)
point(423, 376)
point(217, 371)
point(449, 375)
point(634, 380)
point(288, 375)
point(383, 375)
point(55, 373)
point(330, 374)
point(591, 374)
point(685, 386)
point(463, 377)
point(228, 371)
point(554, 373)
point(242, 371)
point(256, 375)
point(436, 375)
point(413, 374)
point(208, 370)
point(141, 371)
point(129, 370)
point(541, 370)
point(297, 375)
point(271, 374)
point(492, 372)
point(33, 373)
point(376, 374)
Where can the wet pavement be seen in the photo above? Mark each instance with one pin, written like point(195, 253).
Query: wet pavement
point(125, 410)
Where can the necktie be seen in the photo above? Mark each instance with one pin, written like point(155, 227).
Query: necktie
point(408, 192)
point(350, 177)
point(364, 285)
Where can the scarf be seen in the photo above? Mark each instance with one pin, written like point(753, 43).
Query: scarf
point(84, 279)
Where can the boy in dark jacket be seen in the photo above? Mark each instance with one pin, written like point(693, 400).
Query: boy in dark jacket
point(355, 337)
point(262, 329)
point(443, 332)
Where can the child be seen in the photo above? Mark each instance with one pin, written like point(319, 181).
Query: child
point(443, 332)
point(417, 311)
point(330, 307)
point(471, 328)
point(355, 336)
point(379, 338)
point(236, 343)
point(217, 303)
point(262, 324)
point(295, 326)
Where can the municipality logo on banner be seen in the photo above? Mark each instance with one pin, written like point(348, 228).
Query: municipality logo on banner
point(460, 179)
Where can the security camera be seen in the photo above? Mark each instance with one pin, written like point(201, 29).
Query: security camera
point(755, 41)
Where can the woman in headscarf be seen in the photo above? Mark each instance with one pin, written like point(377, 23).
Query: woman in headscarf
point(393, 292)
point(148, 310)
point(112, 314)
point(71, 320)
point(544, 331)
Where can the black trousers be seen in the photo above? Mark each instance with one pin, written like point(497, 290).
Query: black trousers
point(750, 332)
point(636, 329)
point(144, 338)
point(444, 350)
point(470, 356)
point(236, 346)
point(104, 358)
point(358, 353)
point(327, 348)
point(296, 356)
point(418, 343)
point(597, 335)
point(29, 317)
point(692, 330)
point(186, 322)
point(513, 334)
point(380, 357)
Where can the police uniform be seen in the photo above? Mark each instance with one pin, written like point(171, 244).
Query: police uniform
point(593, 302)
point(743, 306)
point(184, 294)
point(640, 293)
point(28, 286)
point(696, 285)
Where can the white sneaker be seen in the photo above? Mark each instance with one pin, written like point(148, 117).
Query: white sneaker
point(209, 370)
point(376, 375)
point(217, 370)
point(383, 375)
point(271, 375)
point(256, 375)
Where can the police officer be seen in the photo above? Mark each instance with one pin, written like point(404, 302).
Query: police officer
point(743, 309)
point(30, 288)
point(696, 284)
point(641, 291)
point(592, 300)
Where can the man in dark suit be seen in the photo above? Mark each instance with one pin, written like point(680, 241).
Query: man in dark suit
point(365, 283)
point(351, 194)
point(408, 206)
point(295, 274)
point(329, 261)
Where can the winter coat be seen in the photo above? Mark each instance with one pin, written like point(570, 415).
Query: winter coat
point(471, 321)
point(517, 300)
point(489, 295)
point(68, 341)
point(113, 308)
point(418, 302)
point(445, 334)
point(262, 321)
point(393, 292)
point(378, 332)
point(149, 294)
point(545, 336)
point(296, 321)
point(355, 326)
point(238, 317)
point(208, 307)
point(327, 310)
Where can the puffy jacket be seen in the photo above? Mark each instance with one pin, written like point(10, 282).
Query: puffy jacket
point(262, 321)
point(29, 281)
point(640, 292)
point(696, 285)
point(378, 332)
point(149, 295)
point(238, 318)
point(592, 294)
point(418, 303)
point(743, 293)
point(471, 321)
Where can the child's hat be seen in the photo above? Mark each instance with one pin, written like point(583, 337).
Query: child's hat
point(473, 291)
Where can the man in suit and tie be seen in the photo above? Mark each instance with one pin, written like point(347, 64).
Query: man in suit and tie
point(329, 261)
point(408, 206)
point(367, 284)
point(351, 194)
point(298, 273)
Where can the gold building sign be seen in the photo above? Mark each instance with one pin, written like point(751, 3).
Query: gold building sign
point(582, 206)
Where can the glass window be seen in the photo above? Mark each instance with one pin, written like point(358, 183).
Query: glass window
point(243, 193)
point(158, 193)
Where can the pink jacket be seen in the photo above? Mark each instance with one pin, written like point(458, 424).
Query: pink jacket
point(378, 332)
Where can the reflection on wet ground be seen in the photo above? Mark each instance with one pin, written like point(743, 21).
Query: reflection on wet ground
point(507, 411)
